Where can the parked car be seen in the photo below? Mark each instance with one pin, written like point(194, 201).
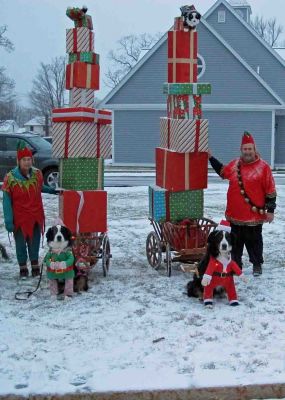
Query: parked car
point(42, 151)
point(48, 138)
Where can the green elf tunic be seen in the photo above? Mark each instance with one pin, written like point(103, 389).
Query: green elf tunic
point(61, 273)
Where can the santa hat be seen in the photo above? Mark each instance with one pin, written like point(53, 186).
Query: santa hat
point(187, 9)
point(247, 138)
point(23, 150)
point(224, 226)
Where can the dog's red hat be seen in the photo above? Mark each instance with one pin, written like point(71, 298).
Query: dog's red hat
point(224, 226)
point(247, 138)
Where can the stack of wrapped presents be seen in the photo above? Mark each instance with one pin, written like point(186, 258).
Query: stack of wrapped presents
point(81, 133)
point(182, 158)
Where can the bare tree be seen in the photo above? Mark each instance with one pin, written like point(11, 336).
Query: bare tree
point(4, 41)
point(48, 90)
point(269, 30)
point(127, 55)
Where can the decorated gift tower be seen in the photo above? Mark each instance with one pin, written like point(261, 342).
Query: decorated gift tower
point(82, 134)
point(182, 158)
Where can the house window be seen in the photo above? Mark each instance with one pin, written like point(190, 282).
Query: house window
point(31, 128)
point(201, 66)
point(221, 16)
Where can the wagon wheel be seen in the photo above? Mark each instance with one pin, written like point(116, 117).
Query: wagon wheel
point(153, 250)
point(168, 260)
point(106, 255)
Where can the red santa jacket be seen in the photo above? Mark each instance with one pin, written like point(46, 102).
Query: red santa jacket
point(216, 266)
point(258, 183)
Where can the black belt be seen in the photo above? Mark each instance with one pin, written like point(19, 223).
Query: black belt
point(223, 274)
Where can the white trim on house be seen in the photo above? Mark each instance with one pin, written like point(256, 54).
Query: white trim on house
point(134, 70)
point(272, 158)
point(247, 25)
point(113, 137)
point(241, 60)
point(206, 107)
point(103, 104)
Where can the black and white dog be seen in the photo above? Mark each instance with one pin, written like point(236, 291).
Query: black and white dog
point(219, 245)
point(60, 241)
point(191, 17)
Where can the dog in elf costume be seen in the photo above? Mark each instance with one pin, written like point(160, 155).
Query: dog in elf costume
point(60, 261)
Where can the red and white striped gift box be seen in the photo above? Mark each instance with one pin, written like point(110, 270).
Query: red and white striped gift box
point(81, 97)
point(79, 39)
point(103, 117)
point(81, 139)
point(184, 135)
point(73, 114)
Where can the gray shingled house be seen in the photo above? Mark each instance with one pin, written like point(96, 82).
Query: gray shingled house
point(248, 91)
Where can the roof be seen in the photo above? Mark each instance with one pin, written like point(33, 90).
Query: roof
point(41, 121)
point(219, 37)
point(238, 3)
point(244, 23)
point(280, 51)
point(8, 126)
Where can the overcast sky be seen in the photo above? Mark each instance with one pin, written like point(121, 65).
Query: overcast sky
point(37, 29)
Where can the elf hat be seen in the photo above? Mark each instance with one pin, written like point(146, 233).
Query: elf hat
point(224, 226)
point(23, 150)
point(247, 138)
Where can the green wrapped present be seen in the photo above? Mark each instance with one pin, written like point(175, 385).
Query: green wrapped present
point(175, 206)
point(84, 56)
point(82, 173)
point(187, 88)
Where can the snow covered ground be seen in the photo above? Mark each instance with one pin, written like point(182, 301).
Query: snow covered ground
point(105, 339)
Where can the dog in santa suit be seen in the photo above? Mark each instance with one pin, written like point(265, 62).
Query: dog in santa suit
point(221, 267)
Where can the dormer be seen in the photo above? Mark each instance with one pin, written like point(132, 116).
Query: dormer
point(242, 8)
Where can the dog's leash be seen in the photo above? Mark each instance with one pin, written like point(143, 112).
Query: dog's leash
point(28, 293)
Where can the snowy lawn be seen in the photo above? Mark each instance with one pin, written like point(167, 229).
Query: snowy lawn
point(103, 339)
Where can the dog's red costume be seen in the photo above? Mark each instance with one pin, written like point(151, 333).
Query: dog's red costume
point(220, 276)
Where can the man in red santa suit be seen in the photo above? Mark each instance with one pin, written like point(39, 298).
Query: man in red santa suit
point(251, 200)
point(220, 269)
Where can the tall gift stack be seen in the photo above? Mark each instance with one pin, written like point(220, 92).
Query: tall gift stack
point(182, 158)
point(82, 134)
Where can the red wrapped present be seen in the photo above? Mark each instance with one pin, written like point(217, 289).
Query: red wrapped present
point(178, 106)
point(182, 56)
point(184, 135)
point(85, 21)
point(181, 171)
point(82, 75)
point(81, 139)
point(85, 211)
point(79, 39)
point(73, 114)
point(197, 109)
point(178, 24)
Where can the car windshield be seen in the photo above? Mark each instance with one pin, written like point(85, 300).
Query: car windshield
point(39, 142)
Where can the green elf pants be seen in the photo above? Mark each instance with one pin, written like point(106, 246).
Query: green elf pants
point(28, 246)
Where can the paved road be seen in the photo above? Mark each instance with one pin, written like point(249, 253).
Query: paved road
point(144, 180)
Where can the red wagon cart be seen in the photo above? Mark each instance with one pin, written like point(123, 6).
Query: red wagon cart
point(183, 242)
point(88, 248)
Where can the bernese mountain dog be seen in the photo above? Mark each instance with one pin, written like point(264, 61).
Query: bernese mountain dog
point(215, 271)
point(191, 17)
point(60, 241)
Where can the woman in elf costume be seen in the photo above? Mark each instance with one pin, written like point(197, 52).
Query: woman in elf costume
point(23, 208)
